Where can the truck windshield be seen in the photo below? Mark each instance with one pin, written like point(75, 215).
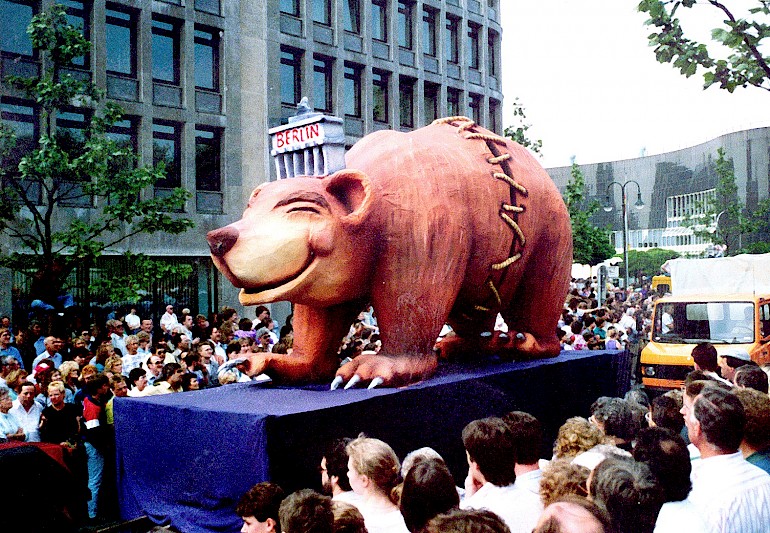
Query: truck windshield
point(694, 322)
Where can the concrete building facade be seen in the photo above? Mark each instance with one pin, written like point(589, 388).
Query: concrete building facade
point(674, 186)
point(202, 81)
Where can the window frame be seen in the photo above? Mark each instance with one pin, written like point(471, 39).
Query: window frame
point(473, 43)
point(351, 10)
point(215, 141)
point(406, 29)
point(324, 8)
point(381, 81)
point(352, 73)
point(379, 10)
point(35, 7)
point(132, 25)
point(430, 31)
point(215, 44)
point(296, 64)
point(176, 136)
point(175, 34)
point(323, 65)
point(452, 40)
point(406, 87)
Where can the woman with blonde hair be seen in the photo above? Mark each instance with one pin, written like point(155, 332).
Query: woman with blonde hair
point(577, 435)
point(113, 366)
point(373, 471)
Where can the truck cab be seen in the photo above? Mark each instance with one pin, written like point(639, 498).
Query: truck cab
point(680, 322)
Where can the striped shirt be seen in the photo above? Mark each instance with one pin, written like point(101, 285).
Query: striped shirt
point(732, 495)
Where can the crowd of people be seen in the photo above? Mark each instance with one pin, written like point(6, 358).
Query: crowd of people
point(694, 460)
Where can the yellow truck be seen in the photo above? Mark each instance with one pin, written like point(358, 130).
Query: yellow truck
point(724, 301)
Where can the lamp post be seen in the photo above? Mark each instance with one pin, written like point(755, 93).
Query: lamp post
point(639, 204)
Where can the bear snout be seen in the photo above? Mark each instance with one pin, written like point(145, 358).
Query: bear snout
point(222, 240)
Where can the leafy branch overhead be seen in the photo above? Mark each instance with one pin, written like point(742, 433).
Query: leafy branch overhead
point(734, 56)
point(78, 191)
point(517, 132)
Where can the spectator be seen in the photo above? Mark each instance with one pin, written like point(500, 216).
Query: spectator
point(6, 349)
point(258, 508)
point(373, 469)
point(60, 422)
point(731, 494)
point(27, 411)
point(467, 521)
point(306, 511)
point(562, 478)
point(113, 366)
point(168, 320)
point(705, 357)
point(428, 490)
point(137, 379)
point(347, 518)
point(171, 381)
point(664, 412)
point(573, 515)
point(51, 351)
point(98, 436)
point(334, 473)
point(731, 360)
point(665, 453)
point(491, 468)
point(752, 377)
point(629, 493)
point(615, 418)
point(755, 446)
point(577, 435)
point(190, 382)
point(131, 357)
point(10, 429)
point(526, 437)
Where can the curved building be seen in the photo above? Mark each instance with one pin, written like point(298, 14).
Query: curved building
point(674, 186)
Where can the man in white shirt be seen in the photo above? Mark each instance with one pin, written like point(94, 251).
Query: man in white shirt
point(27, 411)
point(732, 495)
point(132, 321)
point(491, 469)
point(526, 436)
point(168, 320)
point(334, 473)
point(52, 347)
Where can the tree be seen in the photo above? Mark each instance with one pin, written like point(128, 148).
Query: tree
point(590, 245)
point(518, 132)
point(83, 166)
point(740, 40)
point(648, 262)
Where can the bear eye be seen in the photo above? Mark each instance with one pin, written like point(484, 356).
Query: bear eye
point(304, 209)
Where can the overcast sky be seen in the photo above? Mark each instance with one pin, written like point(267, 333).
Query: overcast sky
point(592, 88)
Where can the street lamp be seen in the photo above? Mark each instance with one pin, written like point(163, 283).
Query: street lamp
point(638, 204)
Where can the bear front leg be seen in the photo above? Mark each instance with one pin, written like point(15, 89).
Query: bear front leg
point(318, 332)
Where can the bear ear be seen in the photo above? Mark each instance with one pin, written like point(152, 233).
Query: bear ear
point(353, 190)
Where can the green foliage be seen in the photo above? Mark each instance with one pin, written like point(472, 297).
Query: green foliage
point(127, 288)
point(84, 169)
point(740, 40)
point(648, 262)
point(590, 245)
point(518, 131)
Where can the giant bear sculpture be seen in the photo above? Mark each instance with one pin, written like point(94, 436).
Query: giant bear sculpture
point(446, 224)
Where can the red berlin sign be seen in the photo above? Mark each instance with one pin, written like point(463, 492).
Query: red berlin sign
point(298, 137)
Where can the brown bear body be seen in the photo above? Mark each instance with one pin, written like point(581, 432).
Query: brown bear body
point(446, 224)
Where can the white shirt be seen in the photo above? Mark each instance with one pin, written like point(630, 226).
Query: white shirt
point(166, 321)
point(678, 517)
point(132, 321)
point(499, 500)
point(527, 504)
point(28, 420)
point(349, 497)
point(377, 521)
point(732, 495)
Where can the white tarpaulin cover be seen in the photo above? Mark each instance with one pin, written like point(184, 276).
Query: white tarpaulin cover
point(721, 275)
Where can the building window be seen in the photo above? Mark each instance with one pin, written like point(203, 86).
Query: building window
point(207, 59)
point(380, 95)
point(380, 20)
point(492, 54)
point(452, 40)
point(78, 15)
point(290, 7)
point(429, 32)
point(165, 51)
point(405, 24)
point(22, 118)
point(492, 123)
point(208, 6)
point(166, 149)
point(291, 79)
point(124, 134)
point(473, 46)
point(352, 16)
point(406, 102)
point(71, 135)
point(16, 17)
point(430, 102)
point(207, 159)
point(474, 107)
point(453, 102)
point(120, 37)
point(352, 89)
point(322, 12)
point(322, 84)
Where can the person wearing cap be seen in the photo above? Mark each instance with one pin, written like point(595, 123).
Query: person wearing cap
point(263, 340)
point(731, 360)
